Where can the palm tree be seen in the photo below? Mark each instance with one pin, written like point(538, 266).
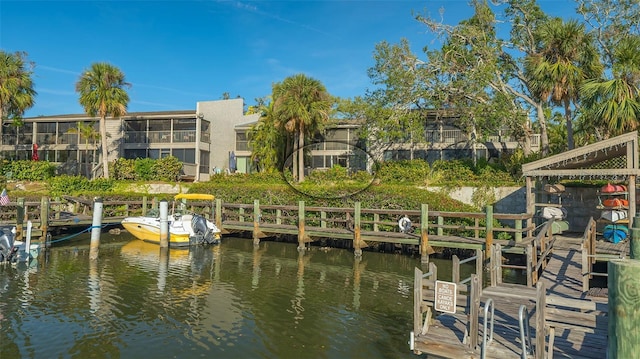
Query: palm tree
point(16, 87)
point(566, 59)
point(268, 143)
point(102, 94)
point(301, 107)
point(615, 103)
point(87, 132)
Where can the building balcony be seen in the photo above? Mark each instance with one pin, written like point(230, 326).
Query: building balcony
point(160, 136)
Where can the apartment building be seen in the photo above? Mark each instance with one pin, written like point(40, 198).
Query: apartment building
point(213, 137)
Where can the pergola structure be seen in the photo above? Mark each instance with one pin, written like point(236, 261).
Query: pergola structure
point(614, 159)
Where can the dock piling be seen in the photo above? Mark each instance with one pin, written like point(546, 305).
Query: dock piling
point(357, 239)
point(164, 224)
point(301, 234)
point(96, 228)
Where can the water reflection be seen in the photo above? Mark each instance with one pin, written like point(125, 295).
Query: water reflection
point(228, 301)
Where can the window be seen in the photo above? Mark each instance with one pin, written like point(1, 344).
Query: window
point(135, 125)
point(67, 156)
point(160, 125)
point(241, 141)
point(204, 161)
point(205, 131)
point(185, 155)
point(133, 154)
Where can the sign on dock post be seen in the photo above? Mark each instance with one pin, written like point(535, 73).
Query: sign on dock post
point(445, 300)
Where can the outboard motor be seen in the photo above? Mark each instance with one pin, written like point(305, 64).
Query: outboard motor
point(203, 234)
point(7, 238)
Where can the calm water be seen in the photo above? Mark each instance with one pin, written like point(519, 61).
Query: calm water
point(227, 301)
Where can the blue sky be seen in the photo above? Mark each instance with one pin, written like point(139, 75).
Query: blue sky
point(175, 53)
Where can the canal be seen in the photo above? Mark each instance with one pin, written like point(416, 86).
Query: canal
point(225, 301)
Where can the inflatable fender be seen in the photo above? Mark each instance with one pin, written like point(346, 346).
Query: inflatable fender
point(404, 224)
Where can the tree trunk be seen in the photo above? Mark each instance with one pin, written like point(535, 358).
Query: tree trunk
point(294, 162)
point(301, 153)
point(544, 137)
point(567, 115)
point(105, 149)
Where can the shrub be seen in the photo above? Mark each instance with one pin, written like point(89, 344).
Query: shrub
point(28, 170)
point(406, 171)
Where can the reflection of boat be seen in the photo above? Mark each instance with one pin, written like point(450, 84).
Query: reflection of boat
point(148, 255)
point(184, 228)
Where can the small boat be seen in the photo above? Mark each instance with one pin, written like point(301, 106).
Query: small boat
point(185, 229)
point(12, 250)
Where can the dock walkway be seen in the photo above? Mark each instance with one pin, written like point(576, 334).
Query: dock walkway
point(562, 278)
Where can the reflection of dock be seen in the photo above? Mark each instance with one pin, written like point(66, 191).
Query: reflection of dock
point(559, 310)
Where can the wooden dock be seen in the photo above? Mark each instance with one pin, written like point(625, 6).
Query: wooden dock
point(362, 226)
point(573, 321)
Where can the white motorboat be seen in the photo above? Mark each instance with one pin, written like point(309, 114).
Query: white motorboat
point(185, 229)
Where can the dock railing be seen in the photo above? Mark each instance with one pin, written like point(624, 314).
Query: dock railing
point(590, 255)
point(467, 305)
point(464, 230)
point(537, 251)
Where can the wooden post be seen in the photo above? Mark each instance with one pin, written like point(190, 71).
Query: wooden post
point(376, 219)
point(323, 219)
point(498, 261)
point(634, 245)
point(530, 263)
point(241, 214)
point(44, 217)
point(531, 206)
point(256, 222)
point(455, 269)
point(20, 214)
point(440, 230)
point(474, 311)
point(144, 205)
point(59, 207)
point(357, 245)
point(164, 224)
point(541, 303)
point(301, 233)
point(479, 265)
point(624, 316)
point(219, 213)
point(585, 265)
point(278, 216)
point(489, 220)
point(492, 268)
point(417, 301)
point(518, 226)
point(96, 227)
point(424, 236)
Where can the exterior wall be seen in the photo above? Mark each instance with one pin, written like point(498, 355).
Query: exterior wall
point(224, 116)
point(580, 202)
point(114, 141)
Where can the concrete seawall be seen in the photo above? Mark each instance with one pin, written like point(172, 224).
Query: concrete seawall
point(580, 202)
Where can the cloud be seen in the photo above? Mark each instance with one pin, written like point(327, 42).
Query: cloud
point(254, 9)
point(147, 103)
point(55, 69)
point(168, 89)
point(55, 92)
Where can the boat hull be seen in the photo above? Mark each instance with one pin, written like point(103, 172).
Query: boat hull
point(148, 230)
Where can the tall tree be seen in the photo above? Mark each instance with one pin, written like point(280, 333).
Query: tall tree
point(615, 102)
point(267, 142)
point(301, 106)
point(102, 93)
point(484, 70)
point(17, 92)
point(612, 103)
point(566, 58)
